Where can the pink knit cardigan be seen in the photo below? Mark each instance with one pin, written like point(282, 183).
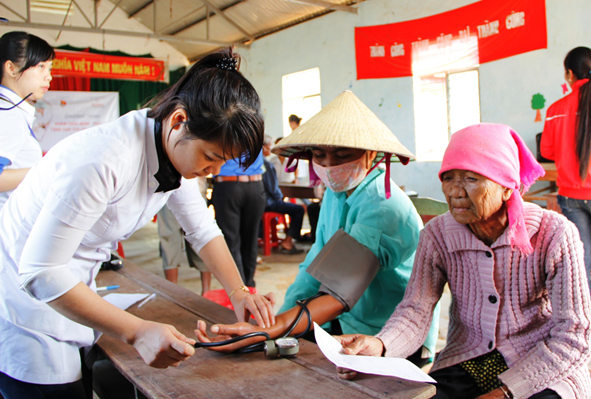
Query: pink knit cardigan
point(535, 310)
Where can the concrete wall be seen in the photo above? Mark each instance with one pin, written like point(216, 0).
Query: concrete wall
point(506, 86)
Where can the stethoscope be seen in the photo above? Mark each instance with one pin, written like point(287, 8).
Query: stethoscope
point(16, 105)
point(285, 346)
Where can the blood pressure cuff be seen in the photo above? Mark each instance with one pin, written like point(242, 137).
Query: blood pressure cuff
point(345, 268)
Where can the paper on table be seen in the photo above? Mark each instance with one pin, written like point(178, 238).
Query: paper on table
point(123, 301)
point(387, 366)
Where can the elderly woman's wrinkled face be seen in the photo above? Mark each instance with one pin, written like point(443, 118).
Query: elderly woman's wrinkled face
point(471, 197)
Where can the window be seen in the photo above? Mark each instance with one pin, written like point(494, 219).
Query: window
point(446, 93)
point(443, 104)
point(301, 96)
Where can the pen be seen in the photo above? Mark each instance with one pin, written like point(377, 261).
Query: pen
point(108, 287)
point(142, 303)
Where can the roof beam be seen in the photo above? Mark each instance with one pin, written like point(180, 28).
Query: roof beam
point(63, 23)
point(167, 38)
point(133, 13)
point(164, 28)
point(82, 12)
point(12, 11)
point(109, 15)
point(95, 25)
point(208, 15)
point(229, 20)
point(325, 4)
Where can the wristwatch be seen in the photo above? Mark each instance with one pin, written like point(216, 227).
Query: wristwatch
point(284, 347)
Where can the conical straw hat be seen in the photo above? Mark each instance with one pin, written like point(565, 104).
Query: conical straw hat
point(344, 122)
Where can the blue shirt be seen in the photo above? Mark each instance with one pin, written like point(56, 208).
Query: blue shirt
point(233, 168)
point(3, 163)
point(272, 190)
point(390, 229)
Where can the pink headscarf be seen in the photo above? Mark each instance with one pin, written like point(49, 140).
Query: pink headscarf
point(498, 153)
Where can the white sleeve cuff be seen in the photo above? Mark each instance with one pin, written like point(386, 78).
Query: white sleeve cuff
point(49, 284)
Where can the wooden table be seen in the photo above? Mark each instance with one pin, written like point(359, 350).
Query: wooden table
point(296, 190)
point(209, 374)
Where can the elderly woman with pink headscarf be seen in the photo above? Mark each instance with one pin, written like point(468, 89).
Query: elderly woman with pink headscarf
point(519, 319)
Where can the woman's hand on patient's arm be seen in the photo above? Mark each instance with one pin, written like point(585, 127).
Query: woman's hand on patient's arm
point(260, 306)
point(218, 259)
point(357, 344)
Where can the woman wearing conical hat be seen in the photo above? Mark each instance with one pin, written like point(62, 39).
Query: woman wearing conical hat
point(344, 142)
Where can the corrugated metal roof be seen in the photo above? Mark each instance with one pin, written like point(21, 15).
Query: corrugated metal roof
point(229, 21)
point(194, 27)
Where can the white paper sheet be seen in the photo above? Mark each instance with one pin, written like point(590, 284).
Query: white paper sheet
point(387, 366)
point(123, 301)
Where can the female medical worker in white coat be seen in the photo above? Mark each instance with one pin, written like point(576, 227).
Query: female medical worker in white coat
point(25, 73)
point(97, 187)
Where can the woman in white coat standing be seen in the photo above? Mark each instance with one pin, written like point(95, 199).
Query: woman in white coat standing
point(97, 187)
point(25, 73)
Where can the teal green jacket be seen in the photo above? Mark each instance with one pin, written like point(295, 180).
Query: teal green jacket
point(390, 229)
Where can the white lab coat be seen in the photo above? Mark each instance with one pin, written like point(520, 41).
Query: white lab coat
point(100, 180)
point(17, 144)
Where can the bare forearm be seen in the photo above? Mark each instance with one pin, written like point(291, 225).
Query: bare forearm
point(219, 261)
point(322, 310)
point(84, 306)
point(11, 178)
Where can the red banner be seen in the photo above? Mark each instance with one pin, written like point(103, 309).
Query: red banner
point(501, 28)
point(89, 65)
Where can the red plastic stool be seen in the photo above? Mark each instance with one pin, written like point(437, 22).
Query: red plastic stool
point(221, 298)
point(270, 222)
point(120, 249)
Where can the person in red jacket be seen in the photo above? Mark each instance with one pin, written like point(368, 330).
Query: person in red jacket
point(567, 140)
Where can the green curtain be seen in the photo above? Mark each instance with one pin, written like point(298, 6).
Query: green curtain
point(133, 94)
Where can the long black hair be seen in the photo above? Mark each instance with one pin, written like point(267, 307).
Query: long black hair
point(24, 50)
point(578, 60)
point(221, 105)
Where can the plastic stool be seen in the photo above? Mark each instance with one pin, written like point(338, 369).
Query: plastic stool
point(120, 249)
point(270, 222)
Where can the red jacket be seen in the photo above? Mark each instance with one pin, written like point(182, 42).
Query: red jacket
point(559, 144)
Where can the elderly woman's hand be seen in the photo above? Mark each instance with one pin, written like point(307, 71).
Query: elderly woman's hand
point(357, 344)
point(260, 306)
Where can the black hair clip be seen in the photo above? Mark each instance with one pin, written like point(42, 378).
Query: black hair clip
point(227, 64)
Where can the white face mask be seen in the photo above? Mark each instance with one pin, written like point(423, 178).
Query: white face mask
point(343, 177)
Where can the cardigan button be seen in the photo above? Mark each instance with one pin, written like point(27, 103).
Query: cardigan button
point(492, 299)
point(490, 345)
point(488, 254)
